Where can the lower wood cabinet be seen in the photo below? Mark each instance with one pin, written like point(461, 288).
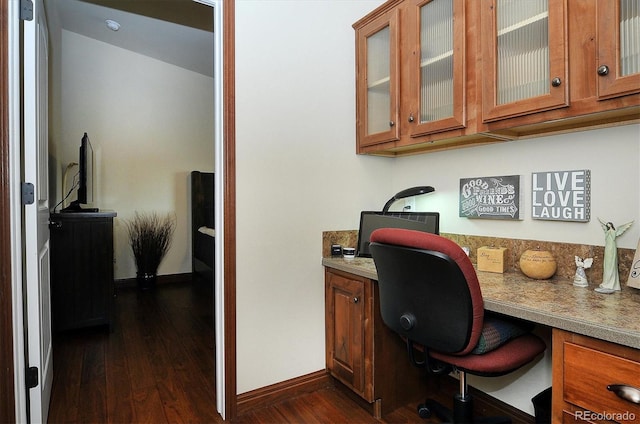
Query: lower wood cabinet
point(361, 352)
point(348, 335)
point(586, 372)
point(82, 288)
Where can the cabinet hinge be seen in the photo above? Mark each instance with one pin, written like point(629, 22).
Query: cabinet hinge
point(31, 377)
point(28, 194)
point(26, 10)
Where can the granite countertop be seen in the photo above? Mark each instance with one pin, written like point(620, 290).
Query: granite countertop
point(555, 302)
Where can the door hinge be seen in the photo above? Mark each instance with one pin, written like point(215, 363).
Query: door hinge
point(26, 10)
point(28, 196)
point(31, 377)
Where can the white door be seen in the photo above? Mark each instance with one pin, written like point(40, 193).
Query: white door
point(36, 214)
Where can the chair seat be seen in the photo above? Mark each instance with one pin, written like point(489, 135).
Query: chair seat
point(508, 357)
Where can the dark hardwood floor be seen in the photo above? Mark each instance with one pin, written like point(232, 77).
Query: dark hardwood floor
point(158, 366)
point(328, 406)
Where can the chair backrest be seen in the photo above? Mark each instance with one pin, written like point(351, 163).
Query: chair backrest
point(429, 290)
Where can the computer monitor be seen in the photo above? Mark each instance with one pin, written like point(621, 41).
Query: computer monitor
point(85, 181)
point(428, 222)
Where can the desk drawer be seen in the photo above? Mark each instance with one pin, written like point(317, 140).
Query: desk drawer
point(587, 372)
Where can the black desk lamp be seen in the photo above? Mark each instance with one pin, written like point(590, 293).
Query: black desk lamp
point(413, 191)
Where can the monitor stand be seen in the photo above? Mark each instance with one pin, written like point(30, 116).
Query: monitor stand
point(76, 207)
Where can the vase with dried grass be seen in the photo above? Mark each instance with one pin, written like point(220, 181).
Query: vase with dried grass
point(150, 236)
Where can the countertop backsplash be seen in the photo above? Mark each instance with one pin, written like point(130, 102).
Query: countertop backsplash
point(564, 253)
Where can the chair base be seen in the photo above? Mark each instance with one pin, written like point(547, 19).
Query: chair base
point(461, 414)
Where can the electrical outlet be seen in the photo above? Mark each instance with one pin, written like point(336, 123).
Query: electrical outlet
point(409, 204)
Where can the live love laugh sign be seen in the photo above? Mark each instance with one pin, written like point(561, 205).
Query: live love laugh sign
point(561, 195)
point(555, 196)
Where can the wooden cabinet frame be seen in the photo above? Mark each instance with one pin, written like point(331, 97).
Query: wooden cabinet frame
point(558, 68)
point(612, 84)
point(349, 337)
point(361, 362)
point(389, 19)
point(410, 135)
point(411, 91)
point(565, 366)
point(580, 40)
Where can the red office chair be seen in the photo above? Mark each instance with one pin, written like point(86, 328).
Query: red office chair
point(430, 295)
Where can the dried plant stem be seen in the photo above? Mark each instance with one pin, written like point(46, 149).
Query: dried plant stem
point(150, 237)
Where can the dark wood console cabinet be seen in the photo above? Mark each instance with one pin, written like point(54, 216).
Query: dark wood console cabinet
point(82, 288)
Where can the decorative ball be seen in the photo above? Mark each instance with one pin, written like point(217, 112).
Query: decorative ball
point(538, 264)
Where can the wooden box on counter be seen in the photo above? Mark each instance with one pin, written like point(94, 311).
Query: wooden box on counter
point(491, 259)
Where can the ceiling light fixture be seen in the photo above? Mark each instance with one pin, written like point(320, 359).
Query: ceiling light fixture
point(112, 25)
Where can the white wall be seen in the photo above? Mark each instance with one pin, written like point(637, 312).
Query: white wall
point(612, 155)
point(298, 174)
point(150, 124)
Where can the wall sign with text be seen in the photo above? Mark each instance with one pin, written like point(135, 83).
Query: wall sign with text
point(491, 197)
point(561, 195)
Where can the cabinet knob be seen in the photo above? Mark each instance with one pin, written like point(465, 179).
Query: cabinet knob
point(356, 299)
point(391, 123)
point(625, 392)
point(411, 118)
point(603, 70)
point(556, 82)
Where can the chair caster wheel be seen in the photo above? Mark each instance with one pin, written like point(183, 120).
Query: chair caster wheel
point(423, 411)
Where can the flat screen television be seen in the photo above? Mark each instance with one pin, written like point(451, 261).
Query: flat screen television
point(428, 222)
point(85, 179)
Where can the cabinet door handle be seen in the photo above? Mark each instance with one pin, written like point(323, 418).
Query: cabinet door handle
point(556, 82)
point(625, 392)
point(356, 299)
point(391, 123)
point(603, 70)
point(411, 118)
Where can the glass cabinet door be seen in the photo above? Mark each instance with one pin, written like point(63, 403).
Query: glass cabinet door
point(437, 71)
point(377, 81)
point(618, 66)
point(524, 67)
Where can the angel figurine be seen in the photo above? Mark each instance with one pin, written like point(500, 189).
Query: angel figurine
point(580, 279)
point(610, 278)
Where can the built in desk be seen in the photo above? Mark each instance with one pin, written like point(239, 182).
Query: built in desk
point(555, 303)
point(596, 337)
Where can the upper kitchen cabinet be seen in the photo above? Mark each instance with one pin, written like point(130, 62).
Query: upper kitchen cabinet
point(523, 57)
point(378, 81)
point(440, 74)
point(554, 66)
point(435, 88)
point(415, 89)
point(618, 29)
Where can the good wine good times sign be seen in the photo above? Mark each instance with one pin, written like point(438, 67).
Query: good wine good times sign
point(561, 195)
point(491, 197)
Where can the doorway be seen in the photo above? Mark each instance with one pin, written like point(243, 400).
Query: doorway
point(221, 385)
point(13, 402)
